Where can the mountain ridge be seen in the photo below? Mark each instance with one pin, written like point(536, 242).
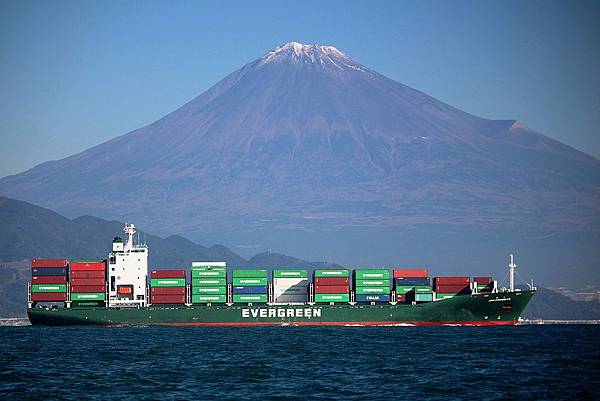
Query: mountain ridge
point(29, 232)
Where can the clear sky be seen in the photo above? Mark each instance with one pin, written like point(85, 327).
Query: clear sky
point(75, 74)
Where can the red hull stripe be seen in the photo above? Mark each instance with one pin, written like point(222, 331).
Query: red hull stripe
point(317, 323)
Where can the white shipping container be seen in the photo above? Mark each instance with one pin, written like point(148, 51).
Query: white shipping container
point(290, 291)
point(290, 282)
point(212, 264)
point(291, 298)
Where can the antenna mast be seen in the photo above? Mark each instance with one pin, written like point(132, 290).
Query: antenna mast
point(511, 273)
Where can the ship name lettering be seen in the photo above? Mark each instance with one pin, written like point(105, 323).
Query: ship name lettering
point(281, 312)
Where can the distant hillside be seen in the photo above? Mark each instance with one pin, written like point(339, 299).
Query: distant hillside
point(28, 231)
point(548, 304)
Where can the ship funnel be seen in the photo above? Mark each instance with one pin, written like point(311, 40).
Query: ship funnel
point(117, 245)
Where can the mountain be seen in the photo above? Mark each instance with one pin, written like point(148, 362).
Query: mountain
point(550, 305)
point(310, 152)
point(29, 232)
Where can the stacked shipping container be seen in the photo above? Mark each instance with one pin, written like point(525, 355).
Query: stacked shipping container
point(448, 287)
point(209, 283)
point(290, 286)
point(250, 285)
point(331, 285)
point(372, 285)
point(412, 285)
point(88, 282)
point(49, 280)
point(167, 286)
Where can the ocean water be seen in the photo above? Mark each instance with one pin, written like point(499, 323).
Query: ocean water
point(300, 363)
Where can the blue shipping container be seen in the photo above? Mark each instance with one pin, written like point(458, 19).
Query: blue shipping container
point(49, 271)
point(413, 281)
point(250, 290)
point(373, 298)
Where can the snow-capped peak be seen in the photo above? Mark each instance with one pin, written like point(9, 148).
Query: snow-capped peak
point(300, 53)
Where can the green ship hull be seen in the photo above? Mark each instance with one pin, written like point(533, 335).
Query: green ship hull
point(503, 308)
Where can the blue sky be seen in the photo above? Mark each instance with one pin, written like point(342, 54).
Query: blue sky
point(75, 74)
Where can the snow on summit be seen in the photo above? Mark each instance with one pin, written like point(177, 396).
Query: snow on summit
point(295, 52)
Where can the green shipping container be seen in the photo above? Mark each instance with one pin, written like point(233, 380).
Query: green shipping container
point(403, 289)
point(88, 304)
point(332, 273)
point(361, 274)
point(439, 296)
point(91, 296)
point(48, 288)
point(372, 290)
point(332, 297)
point(203, 299)
point(373, 283)
point(209, 282)
point(209, 290)
point(250, 298)
point(290, 274)
point(423, 289)
point(209, 273)
point(167, 282)
point(253, 273)
point(249, 282)
point(423, 297)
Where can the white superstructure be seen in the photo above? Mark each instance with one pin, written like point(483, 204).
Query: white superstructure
point(127, 271)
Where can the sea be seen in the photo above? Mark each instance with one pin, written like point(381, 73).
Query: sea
point(529, 362)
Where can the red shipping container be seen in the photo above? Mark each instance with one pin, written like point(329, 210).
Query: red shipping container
point(88, 288)
point(168, 299)
point(167, 274)
point(48, 296)
point(49, 263)
point(168, 290)
point(48, 280)
point(410, 273)
point(87, 274)
point(93, 266)
point(400, 298)
point(331, 289)
point(88, 281)
point(451, 280)
point(451, 289)
point(483, 280)
point(332, 280)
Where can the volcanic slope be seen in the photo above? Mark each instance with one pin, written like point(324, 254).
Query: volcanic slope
point(307, 140)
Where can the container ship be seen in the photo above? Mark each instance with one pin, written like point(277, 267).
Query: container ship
point(116, 291)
